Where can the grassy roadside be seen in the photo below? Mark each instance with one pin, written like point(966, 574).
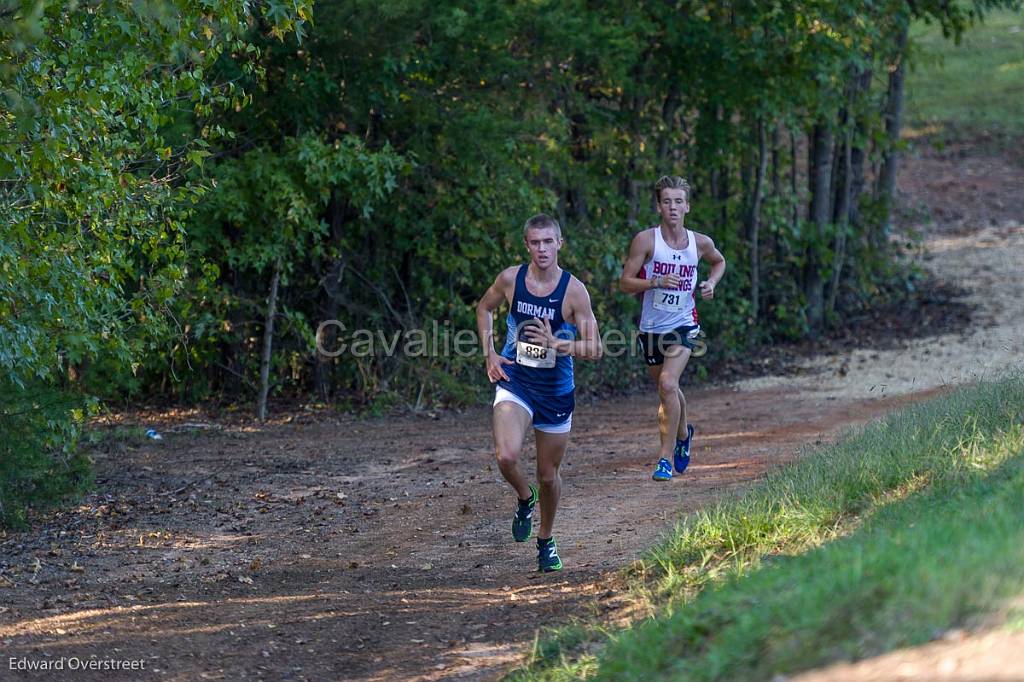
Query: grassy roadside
point(899, 531)
point(976, 86)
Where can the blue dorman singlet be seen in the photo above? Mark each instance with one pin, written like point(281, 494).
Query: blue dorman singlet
point(538, 380)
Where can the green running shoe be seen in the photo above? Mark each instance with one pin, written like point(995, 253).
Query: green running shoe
point(547, 556)
point(522, 522)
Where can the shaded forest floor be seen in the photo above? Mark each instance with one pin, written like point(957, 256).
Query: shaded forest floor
point(328, 547)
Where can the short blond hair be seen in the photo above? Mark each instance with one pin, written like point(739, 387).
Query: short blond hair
point(671, 182)
point(541, 221)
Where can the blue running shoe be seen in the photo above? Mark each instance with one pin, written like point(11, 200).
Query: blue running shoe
point(522, 522)
point(664, 470)
point(547, 556)
point(682, 453)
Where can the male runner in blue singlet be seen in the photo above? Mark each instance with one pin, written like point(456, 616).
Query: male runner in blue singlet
point(662, 266)
point(548, 307)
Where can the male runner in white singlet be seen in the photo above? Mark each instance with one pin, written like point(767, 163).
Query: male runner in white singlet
point(662, 265)
point(547, 307)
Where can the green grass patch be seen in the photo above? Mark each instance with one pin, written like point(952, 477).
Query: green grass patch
point(972, 87)
point(897, 532)
point(566, 652)
point(1015, 620)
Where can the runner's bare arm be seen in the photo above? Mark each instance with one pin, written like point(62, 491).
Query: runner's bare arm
point(491, 300)
point(706, 250)
point(581, 313)
point(588, 345)
point(640, 251)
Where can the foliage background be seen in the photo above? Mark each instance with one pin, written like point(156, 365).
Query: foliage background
point(419, 138)
point(105, 107)
point(189, 187)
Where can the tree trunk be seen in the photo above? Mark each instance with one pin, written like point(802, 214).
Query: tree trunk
point(842, 214)
point(858, 155)
point(754, 220)
point(713, 184)
point(633, 192)
point(776, 161)
point(332, 305)
point(230, 369)
point(576, 195)
point(338, 212)
point(820, 211)
point(772, 247)
point(268, 343)
point(668, 117)
point(841, 182)
point(893, 124)
point(792, 178)
point(724, 189)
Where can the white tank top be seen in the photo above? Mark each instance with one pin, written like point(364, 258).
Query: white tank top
point(665, 309)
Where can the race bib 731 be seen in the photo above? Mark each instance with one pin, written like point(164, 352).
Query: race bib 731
point(669, 301)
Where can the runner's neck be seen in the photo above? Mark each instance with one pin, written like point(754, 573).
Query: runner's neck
point(680, 235)
point(546, 276)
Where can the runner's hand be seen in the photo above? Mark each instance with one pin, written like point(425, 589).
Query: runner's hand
point(539, 332)
point(707, 289)
point(670, 281)
point(494, 367)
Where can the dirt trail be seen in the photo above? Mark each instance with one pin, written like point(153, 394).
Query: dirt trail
point(335, 548)
point(365, 549)
point(958, 656)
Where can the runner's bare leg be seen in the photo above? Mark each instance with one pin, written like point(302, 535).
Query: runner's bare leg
point(510, 424)
point(550, 451)
point(672, 411)
point(655, 371)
